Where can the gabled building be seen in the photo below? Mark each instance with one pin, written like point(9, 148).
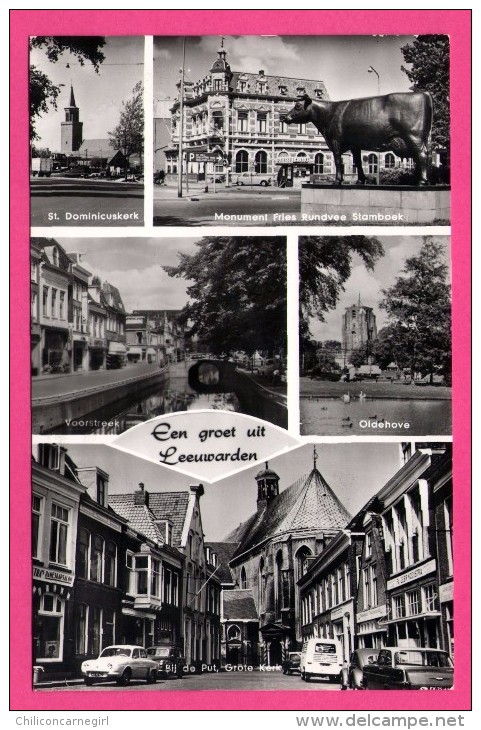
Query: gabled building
point(275, 546)
point(177, 518)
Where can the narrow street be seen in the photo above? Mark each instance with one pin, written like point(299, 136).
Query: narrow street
point(234, 681)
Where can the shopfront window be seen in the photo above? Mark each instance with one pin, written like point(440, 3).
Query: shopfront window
point(59, 526)
point(50, 630)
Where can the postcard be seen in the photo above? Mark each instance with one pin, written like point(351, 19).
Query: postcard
point(240, 253)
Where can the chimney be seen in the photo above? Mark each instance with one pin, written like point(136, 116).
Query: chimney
point(197, 489)
point(141, 496)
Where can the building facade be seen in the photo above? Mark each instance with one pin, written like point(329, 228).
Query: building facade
point(71, 135)
point(233, 124)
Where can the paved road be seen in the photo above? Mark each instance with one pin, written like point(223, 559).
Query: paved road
point(70, 202)
point(61, 385)
point(234, 681)
point(198, 208)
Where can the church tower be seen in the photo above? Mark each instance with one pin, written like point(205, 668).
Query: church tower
point(71, 128)
point(358, 328)
point(267, 486)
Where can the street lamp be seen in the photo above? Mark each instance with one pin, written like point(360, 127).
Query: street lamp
point(372, 70)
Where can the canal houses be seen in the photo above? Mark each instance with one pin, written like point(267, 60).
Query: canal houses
point(78, 314)
point(115, 326)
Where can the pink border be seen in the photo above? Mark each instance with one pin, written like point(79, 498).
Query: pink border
point(215, 22)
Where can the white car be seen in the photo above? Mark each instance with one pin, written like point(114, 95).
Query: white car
point(120, 663)
point(253, 178)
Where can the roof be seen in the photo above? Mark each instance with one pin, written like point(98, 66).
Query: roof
point(309, 503)
point(239, 605)
point(224, 552)
point(170, 506)
point(109, 290)
point(292, 85)
point(141, 519)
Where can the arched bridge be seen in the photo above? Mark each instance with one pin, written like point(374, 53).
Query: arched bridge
point(212, 376)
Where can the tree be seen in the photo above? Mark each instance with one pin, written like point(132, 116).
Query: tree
point(383, 349)
point(428, 56)
point(325, 264)
point(360, 355)
point(419, 310)
point(42, 92)
point(128, 135)
point(238, 293)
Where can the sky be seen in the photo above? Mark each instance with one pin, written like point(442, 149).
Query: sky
point(370, 283)
point(354, 471)
point(134, 266)
point(98, 96)
point(342, 62)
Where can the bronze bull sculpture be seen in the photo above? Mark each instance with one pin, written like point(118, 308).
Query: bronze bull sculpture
point(400, 123)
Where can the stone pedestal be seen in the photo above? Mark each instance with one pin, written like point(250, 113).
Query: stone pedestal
point(366, 205)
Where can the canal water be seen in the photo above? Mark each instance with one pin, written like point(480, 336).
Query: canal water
point(169, 397)
point(333, 417)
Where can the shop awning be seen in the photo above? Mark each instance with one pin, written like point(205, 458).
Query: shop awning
point(117, 348)
point(134, 351)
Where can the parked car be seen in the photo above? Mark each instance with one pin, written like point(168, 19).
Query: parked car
point(292, 663)
point(321, 658)
point(357, 661)
point(409, 668)
point(219, 178)
point(170, 660)
point(120, 663)
point(252, 178)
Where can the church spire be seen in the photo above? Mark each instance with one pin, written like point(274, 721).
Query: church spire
point(72, 97)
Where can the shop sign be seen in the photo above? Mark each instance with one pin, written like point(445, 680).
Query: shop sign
point(53, 576)
point(285, 160)
point(372, 614)
point(415, 574)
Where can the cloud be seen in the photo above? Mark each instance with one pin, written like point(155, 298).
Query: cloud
point(252, 53)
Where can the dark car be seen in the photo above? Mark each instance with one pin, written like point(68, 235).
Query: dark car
point(357, 661)
point(170, 660)
point(409, 668)
point(292, 663)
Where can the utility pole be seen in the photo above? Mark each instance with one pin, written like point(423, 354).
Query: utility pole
point(181, 126)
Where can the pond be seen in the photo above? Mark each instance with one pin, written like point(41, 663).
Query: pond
point(374, 417)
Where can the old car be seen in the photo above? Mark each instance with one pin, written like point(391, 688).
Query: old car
point(120, 663)
point(292, 663)
point(252, 178)
point(358, 659)
point(170, 660)
point(321, 658)
point(409, 668)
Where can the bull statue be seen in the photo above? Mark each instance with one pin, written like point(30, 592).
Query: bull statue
point(399, 122)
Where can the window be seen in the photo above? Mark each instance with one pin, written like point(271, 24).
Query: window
point(59, 524)
point(368, 545)
point(367, 588)
point(141, 569)
point(81, 629)
point(372, 164)
point(283, 90)
point(49, 635)
point(373, 581)
point(430, 598)
point(110, 569)
point(45, 301)
point(284, 128)
point(83, 553)
point(347, 578)
point(262, 123)
point(61, 308)
point(101, 490)
point(319, 163)
point(398, 606)
point(96, 557)
point(448, 525)
point(260, 162)
point(242, 122)
point(243, 578)
point(340, 585)
point(218, 84)
point(301, 129)
point(175, 589)
point(242, 86)
point(53, 303)
point(33, 305)
point(389, 161)
point(167, 583)
point(37, 504)
point(242, 161)
point(129, 564)
point(413, 605)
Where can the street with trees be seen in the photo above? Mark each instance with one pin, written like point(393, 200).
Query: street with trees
point(128, 135)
